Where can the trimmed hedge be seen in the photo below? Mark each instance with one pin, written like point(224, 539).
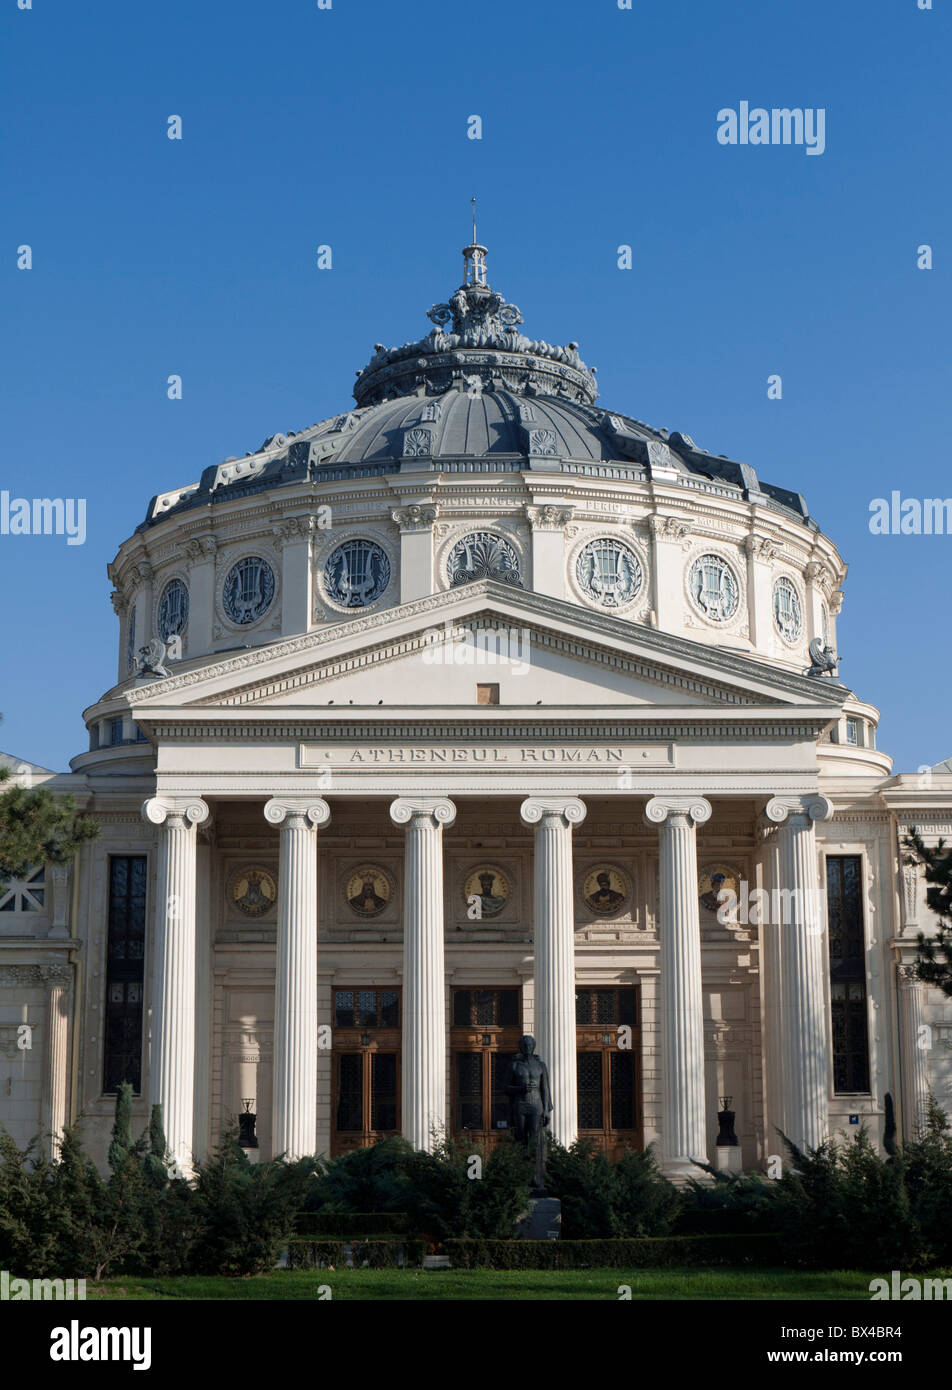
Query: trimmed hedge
point(649, 1252)
point(352, 1225)
point(305, 1253)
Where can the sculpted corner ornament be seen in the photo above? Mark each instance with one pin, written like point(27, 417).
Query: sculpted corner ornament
point(549, 517)
point(761, 548)
point(670, 528)
point(151, 660)
point(910, 894)
point(543, 443)
point(823, 660)
point(416, 517)
point(296, 528)
point(418, 443)
point(199, 549)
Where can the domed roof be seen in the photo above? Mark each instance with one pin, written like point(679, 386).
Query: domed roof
point(474, 396)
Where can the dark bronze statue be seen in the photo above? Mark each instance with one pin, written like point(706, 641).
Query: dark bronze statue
point(530, 1106)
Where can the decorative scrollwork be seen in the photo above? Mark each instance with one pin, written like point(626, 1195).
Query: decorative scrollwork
point(568, 809)
point(405, 809)
point(316, 812)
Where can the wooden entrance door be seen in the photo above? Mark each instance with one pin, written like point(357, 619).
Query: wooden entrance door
point(366, 1067)
point(487, 1026)
point(608, 1057)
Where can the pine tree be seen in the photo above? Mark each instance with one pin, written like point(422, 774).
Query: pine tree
point(121, 1146)
point(934, 963)
point(38, 827)
point(156, 1160)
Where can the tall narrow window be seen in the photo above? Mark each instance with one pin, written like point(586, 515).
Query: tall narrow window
point(484, 1039)
point(608, 1042)
point(844, 890)
point(125, 965)
point(366, 1066)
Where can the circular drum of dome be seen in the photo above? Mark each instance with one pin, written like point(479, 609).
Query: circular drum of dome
point(483, 555)
point(173, 610)
point(609, 572)
point(714, 588)
point(248, 590)
point(356, 573)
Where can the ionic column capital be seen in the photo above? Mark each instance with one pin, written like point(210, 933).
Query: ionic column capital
point(695, 809)
point(812, 805)
point(175, 810)
point(437, 810)
point(302, 813)
point(567, 809)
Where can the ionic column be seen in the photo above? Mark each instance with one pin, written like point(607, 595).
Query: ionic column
point(912, 1052)
point(684, 1121)
point(58, 980)
point(172, 1068)
point(805, 1048)
point(294, 1101)
point(554, 951)
point(424, 976)
point(771, 939)
point(203, 991)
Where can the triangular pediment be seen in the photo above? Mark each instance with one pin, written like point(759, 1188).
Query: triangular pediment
point(432, 653)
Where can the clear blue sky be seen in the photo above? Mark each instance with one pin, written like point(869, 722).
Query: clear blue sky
point(348, 127)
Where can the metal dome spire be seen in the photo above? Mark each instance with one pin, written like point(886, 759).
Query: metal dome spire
point(474, 258)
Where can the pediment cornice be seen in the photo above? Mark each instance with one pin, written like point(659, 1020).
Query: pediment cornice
point(284, 668)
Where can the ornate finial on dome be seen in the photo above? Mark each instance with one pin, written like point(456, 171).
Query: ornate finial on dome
point(474, 258)
point(475, 334)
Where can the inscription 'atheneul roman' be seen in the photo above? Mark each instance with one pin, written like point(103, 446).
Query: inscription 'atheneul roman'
point(487, 755)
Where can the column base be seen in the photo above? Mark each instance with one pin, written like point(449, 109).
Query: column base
point(681, 1170)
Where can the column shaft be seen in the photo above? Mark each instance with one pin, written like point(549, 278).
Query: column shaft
point(771, 937)
point(684, 1123)
point(57, 1061)
point(172, 1070)
point(912, 1052)
point(294, 1101)
point(805, 1046)
point(423, 1067)
point(554, 953)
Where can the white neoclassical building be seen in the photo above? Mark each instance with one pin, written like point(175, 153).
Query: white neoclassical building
point(478, 709)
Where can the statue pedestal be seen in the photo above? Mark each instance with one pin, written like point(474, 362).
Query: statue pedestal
point(727, 1159)
point(543, 1220)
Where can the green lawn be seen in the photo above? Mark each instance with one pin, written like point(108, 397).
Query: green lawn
point(504, 1284)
